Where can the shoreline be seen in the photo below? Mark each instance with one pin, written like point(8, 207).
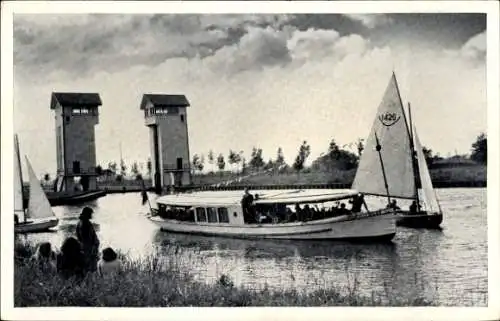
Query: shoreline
point(158, 281)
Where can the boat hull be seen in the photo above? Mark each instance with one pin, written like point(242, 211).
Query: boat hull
point(36, 226)
point(62, 198)
point(423, 220)
point(368, 228)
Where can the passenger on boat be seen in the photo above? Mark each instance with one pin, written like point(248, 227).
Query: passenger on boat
point(109, 263)
point(413, 207)
point(299, 212)
point(45, 257)
point(71, 260)
point(247, 202)
point(357, 201)
point(87, 236)
point(16, 219)
point(393, 205)
point(342, 210)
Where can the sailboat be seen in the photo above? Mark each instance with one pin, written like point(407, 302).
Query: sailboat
point(38, 216)
point(388, 166)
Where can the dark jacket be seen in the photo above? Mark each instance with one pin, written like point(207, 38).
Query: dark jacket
point(87, 236)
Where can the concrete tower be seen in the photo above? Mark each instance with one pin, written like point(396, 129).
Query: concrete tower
point(166, 117)
point(76, 114)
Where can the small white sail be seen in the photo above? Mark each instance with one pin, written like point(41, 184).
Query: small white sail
point(393, 135)
point(38, 206)
point(18, 182)
point(430, 202)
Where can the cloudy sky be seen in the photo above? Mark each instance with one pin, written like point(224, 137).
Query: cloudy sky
point(252, 80)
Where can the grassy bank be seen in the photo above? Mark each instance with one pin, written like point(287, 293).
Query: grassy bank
point(452, 176)
point(469, 176)
point(158, 281)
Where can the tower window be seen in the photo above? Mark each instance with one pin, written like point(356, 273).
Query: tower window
point(76, 167)
point(182, 118)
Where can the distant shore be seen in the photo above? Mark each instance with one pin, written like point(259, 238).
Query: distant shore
point(454, 177)
point(149, 283)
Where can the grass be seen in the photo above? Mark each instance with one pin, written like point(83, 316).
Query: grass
point(459, 175)
point(158, 281)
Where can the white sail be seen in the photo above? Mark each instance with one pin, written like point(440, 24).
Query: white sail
point(18, 182)
point(428, 198)
point(38, 206)
point(393, 135)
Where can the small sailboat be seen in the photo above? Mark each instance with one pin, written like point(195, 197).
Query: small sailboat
point(388, 166)
point(38, 216)
point(429, 213)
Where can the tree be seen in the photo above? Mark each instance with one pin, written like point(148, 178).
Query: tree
point(427, 155)
point(270, 164)
point(123, 168)
point(238, 159)
point(198, 162)
point(221, 163)
point(280, 159)
point(360, 146)
point(211, 159)
point(256, 160)
point(479, 149)
point(112, 167)
point(135, 168)
point(231, 158)
point(304, 152)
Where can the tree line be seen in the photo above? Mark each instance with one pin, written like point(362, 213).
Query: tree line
point(344, 157)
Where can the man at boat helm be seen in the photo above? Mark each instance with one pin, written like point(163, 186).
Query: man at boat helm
point(246, 202)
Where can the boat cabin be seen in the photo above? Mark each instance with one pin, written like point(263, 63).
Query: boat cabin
point(268, 207)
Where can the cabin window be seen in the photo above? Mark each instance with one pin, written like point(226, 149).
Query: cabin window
point(84, 110)
point(201, 216)
point(75, 111)
point(173, 110)
point(212, 215)
point(223, 215)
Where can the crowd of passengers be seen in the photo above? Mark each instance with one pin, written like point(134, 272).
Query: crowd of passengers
point(280, 213)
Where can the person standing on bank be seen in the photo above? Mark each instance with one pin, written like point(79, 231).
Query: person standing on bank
point(87, 236)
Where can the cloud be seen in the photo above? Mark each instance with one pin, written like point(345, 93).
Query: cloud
point(475, 47)
point(259, 48)
point(49, 43)
point(472, 51)
point(265, 81)
point(371, 20)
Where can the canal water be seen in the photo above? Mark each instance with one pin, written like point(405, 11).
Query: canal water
point(447, 266)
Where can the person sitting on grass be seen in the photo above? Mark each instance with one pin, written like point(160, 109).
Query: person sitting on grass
point(45, 257)
point(71, 261)
point(109, 263)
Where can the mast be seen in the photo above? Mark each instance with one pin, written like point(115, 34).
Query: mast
point(378, 147)
point(410, 135)
point(413, 158)
point(20, 173)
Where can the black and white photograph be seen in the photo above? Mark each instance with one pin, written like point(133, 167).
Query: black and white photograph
point(321, 155)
